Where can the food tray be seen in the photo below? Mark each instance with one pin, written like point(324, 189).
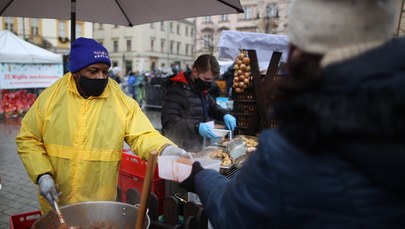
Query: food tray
point(224, 143)
point(205, 153)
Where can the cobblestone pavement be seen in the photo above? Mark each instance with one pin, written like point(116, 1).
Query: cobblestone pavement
point(18, 194)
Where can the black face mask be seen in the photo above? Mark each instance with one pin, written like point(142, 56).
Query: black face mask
point(202, 85)
point(92, 87)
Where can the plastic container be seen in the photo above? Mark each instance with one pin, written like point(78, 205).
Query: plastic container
point(221, 132)
point(24, 220)
point(169, 169)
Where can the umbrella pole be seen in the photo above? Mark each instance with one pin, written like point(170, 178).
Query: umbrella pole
point(72, 20)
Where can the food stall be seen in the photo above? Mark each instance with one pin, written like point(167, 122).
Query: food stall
point(258, 61)
point(24, 70)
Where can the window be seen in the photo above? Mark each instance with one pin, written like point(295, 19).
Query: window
point(128, 65)
point(186, 31)
point(186, 49)
point(207, 19)
point(248, 14)
point(162, 26)
point(79, 29)
point(62, 29)
point(224, 17)
point(162, 46)
point(152, 44)
point(100, 26)
point(178, 48)
point(129, 45)
point(101, 42)
point(178, 29)
point(207, 40)
point(272, 10)
point(171, 27)
point(171, 46)
point(152, 25)
point(115, 46)
point(115, 26)
point(34, 26)
point(9, 24)
point(192, 33)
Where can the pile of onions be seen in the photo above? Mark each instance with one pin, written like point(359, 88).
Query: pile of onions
point(242, 76)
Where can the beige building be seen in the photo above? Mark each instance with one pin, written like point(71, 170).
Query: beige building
point(149, 46)
point(51, 34)
point(260, 16)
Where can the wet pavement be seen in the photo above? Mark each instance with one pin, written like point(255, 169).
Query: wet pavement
point(18, 194)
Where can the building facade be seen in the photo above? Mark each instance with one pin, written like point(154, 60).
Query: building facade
point(148, 47)
point(51, 34)
point(260, 16)
point(401, 21)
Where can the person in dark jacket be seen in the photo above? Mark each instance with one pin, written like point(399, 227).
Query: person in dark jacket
point(188, 108)
point(337, 160)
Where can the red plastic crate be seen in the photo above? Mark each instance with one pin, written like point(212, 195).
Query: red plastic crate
point(127, 181)
point(136, 166)
point(24, 220)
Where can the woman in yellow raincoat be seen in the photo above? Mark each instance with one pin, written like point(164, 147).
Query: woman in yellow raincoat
point(72, 137)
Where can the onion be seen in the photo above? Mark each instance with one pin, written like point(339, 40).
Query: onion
point(241, 56)
point(246, 60)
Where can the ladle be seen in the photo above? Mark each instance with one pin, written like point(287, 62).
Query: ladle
point(62, 221)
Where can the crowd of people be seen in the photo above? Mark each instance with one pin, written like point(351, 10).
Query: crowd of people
point(336, 160)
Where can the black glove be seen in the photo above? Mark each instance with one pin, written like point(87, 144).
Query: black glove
point(188, 183)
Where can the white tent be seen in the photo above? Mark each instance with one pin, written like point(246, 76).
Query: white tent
point(24, 65)
point(231, 42)
point(15, 50)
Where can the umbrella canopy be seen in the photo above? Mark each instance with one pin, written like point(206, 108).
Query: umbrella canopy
point(118, 12)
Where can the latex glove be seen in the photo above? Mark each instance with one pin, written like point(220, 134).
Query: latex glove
point(188, 183)
point(47, 189)
point(205, 130)
point(230, 122)
point(173, 151)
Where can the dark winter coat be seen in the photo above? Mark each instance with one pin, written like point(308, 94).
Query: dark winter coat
point(183, 110)
point(337, 160)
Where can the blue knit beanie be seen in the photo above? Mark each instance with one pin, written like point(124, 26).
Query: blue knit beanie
point(85, 52)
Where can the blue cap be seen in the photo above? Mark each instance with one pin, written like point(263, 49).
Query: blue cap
point(85, 52)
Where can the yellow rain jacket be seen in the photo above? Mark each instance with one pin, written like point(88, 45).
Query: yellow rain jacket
point(79, 141)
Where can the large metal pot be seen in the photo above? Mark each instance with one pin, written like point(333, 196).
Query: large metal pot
point(93, 215)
